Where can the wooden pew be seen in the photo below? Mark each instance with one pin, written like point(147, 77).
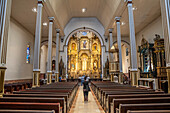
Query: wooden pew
point(36, 100)
point(117, 102)
point(31, 106)
point(26, 111)
point(111, 97)
point(41, 96)
point(149, 111)
point(123, 108)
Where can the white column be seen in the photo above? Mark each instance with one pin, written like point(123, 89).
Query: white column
point(165, 8)
point(5, 12)
point(120, 48)
point(134, 76)
point(103, 49)
point(119, 42)
point(110, 44)
point(49, 58)
point(36, 64)
point(57, 54)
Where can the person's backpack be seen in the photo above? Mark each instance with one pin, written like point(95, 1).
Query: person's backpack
point(87, 88)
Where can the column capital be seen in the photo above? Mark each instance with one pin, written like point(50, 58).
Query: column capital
point(58, 30)
point(128, 1)
point(51, 19)
point(110, 30)
point(117, 19)
point(41, 1)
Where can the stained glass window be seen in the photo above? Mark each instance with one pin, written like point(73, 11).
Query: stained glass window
point(84, 33)
point(28, 54)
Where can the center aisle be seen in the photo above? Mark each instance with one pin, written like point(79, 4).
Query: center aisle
point(85, 107)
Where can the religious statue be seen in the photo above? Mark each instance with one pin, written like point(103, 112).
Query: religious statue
point(73, 46)
point(84, 44)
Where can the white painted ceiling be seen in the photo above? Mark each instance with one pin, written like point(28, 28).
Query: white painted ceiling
point(103, 10)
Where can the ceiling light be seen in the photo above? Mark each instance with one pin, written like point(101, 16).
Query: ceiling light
point(123, 23)
point(84, 10)
point(34, 9)
point(45, 24)
point(134, 8)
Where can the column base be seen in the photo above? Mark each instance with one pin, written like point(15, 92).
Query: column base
point(36, 77)
point(168, 77)
point(2, 76)
point(120, 78)
point(134, 78)
point(56, 77)
point(112, 77)
point(49, 76)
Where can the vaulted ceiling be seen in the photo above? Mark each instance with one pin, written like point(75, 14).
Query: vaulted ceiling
point(103, 10)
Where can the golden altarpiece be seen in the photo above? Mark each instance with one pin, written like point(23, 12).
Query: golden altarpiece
point(84, 55)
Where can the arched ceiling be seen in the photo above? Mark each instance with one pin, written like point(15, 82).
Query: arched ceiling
point(103, 10)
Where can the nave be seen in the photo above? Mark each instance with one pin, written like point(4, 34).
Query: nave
point(81, 106)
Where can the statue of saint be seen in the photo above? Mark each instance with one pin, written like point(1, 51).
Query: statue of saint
point(84, 44)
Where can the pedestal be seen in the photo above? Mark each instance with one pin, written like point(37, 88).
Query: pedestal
point(168, 77)
point(36, 75)
point(49, 75)
point(56, 77)
point(2, 76)
point(112, 77)
point(121, 78)
point(134, 78)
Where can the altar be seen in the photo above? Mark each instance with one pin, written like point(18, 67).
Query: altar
point(84, 55)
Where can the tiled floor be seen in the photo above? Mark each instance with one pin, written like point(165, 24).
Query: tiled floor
point(85, 107)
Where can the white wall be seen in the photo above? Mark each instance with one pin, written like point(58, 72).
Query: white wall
point(43, 58)
point(18, 39)
point(149, 31)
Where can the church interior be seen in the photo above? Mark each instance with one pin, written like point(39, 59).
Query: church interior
point(50, 49)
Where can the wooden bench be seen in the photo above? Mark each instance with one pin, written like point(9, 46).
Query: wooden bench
point(41, 96)
point(117, 102)
point(26, 111)
point(123, 108)
point(31, 106)
point(111, 97)
point(36, 100)
point(149, 111)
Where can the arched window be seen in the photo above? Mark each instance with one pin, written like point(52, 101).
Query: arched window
point(28, 55)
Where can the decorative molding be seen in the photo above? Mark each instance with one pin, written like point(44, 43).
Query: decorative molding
point(117, 19)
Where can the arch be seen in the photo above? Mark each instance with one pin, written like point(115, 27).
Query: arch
point(122, 41)
point(46, 42)
point(82, 29)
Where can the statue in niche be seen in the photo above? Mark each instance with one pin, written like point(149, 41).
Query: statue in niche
point(95, 65)
point(73, 46)
point(95, 47)
point(73, 66)
point(84, 44)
